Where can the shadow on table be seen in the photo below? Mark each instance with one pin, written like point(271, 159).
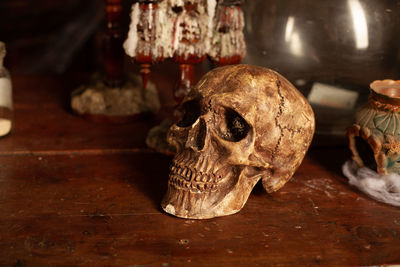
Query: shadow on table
point(151, 172)
point(331, 158)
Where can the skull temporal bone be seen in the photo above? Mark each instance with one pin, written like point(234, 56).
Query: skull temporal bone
point(241, 124)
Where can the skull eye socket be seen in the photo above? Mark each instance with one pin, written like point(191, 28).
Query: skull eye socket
point(191, 112)
point(234, 127)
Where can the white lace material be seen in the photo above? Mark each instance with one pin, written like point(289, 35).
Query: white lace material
point(383, 188)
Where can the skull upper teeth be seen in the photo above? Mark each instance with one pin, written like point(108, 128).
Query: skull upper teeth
point(186, 178)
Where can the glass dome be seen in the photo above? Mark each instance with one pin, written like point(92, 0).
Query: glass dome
point(330, 50)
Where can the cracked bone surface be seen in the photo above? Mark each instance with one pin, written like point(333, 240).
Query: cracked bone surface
point(241, 123)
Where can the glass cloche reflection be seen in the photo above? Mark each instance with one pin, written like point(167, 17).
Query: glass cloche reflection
point(330, 50)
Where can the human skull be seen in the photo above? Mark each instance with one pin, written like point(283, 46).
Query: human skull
point(241, 124)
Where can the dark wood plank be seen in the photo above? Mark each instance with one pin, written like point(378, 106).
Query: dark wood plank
point(92, 210)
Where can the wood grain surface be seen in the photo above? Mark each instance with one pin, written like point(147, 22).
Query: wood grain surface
point(78, 193)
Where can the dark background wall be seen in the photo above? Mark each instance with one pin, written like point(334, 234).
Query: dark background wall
point(47, 36)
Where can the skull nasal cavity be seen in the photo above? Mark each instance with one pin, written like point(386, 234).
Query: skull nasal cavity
point(201, 134)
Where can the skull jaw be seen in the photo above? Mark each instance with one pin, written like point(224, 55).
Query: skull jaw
point(186, 204)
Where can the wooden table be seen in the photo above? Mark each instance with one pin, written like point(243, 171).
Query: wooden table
point(79, 193)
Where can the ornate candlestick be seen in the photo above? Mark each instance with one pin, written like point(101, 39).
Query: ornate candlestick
point(189, 44)
point(146, 36)
point(228, 44)
point(113, 55)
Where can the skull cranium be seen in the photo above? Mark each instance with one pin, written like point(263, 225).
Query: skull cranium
point(241, 124)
